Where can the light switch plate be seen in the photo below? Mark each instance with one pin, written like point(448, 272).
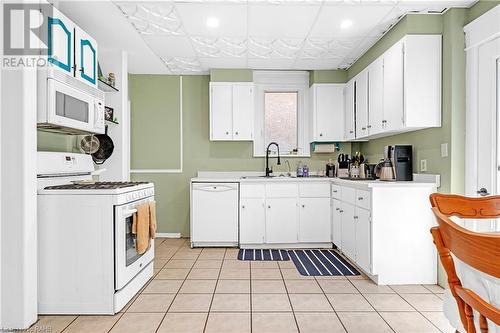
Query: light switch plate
point(444, 150)
point(423, 165)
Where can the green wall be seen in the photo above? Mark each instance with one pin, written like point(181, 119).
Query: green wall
point(327, 76)
point(200, 154)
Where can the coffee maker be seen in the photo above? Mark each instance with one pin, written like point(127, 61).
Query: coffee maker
point(402, 164)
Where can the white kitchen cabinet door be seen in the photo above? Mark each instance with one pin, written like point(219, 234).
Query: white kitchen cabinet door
point(243, 112)
point(394, 88)
point(281, 220)
point(328, 112)
point(314, 220)
point(336, 223)
point(221, 114)
point(252, 220)
point(85, 57)
point(376, 96)
point(363, 239)
point(60, 41)
point(349, 129)
point(348, 230)
point(362, 104)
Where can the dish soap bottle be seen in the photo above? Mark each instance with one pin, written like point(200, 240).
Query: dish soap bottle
point(299, 170)
point(305, 171)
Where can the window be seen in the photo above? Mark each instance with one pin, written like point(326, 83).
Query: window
point(280, 100)
point(280, 121)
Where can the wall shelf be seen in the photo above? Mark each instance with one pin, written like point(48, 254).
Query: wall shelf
point(104, 86)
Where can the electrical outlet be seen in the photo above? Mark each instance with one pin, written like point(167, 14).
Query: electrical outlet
point(423, 165)
point(444, 150)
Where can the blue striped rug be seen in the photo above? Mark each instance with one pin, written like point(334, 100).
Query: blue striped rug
point(321, 263)
point(263, 254)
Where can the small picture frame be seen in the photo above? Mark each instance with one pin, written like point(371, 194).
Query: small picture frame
point(109, 113)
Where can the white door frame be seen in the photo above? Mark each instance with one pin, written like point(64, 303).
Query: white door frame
point(482, 37)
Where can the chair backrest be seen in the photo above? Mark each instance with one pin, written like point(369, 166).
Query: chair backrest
point(478, 250)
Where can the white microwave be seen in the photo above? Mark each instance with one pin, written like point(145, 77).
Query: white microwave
point(70, 108)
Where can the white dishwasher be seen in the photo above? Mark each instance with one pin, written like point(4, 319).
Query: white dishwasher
point(214, 214)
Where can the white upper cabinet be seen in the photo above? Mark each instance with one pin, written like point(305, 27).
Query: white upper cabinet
point(327, 112)
point(361, 104)
point(393, 117)
point(376, 96)
point(350, 130)
point(85, 57)
point(70, 49)
point(399, 92)
point(231, 111)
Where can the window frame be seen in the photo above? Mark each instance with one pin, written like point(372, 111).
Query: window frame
point(282, 81)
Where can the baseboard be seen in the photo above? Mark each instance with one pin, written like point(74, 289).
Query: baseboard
point(168, 234)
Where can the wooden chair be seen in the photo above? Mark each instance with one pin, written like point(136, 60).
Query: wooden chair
point(478, 250)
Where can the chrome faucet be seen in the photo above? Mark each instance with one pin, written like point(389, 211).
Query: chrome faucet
point(268, 170)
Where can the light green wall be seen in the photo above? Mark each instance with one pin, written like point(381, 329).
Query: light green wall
point(327, 76)
point(479, 9)
point(231, 75)
point(200, 154)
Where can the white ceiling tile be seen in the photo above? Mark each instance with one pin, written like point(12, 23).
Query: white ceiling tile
point(223, 62)
point(362, 47)
point(287, 21)
point(270, 63)
point(274, 48)
point(363, 17)
point(178, 65)
point(170, 46)
point(317, 48)
point(232, 19)
point(220, 47)
point(325, 63)
point(152, 17)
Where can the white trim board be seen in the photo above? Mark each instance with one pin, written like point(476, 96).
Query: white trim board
point(181, 115)
point(168, 235)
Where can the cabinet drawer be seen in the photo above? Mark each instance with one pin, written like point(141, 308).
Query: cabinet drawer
point(363, 199)
point(252, 190)
point(281, 190)
point(314, 190)
point(348, 195)
point(336, 191)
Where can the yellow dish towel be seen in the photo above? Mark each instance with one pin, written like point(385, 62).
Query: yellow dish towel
point(152, 219)
point(141, 227)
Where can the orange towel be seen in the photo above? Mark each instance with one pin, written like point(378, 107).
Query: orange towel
point(140, 226)
point(152, 219)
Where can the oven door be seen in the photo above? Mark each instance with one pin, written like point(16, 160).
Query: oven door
point(128, 263)
point(72, 108)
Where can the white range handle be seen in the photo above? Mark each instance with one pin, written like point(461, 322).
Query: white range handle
point(129, 212)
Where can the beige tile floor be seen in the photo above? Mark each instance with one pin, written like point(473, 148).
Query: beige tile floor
point(209, 290)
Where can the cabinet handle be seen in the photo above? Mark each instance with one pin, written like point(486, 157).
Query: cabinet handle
point(355, 217)
point(337, 208)
point(243, 206)
point(335, 191)
point(360, 198)
point(351, 132)
point(320, 134)
point(363, 128)
point(341, 211)
point(236, 133)
point(269, 206)
point(227, 133)
point(303, 206)
point(369, 126)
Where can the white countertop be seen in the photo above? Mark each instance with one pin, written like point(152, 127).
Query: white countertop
point(257, 177)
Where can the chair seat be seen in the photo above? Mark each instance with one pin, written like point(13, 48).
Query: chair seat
point(486, 286)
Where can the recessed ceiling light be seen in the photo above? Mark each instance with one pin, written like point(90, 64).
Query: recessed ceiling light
point(345, 24)
point(212, 22)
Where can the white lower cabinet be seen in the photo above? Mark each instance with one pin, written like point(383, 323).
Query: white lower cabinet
point(336, 223)
point(348, 244)
point(252, 220)
point(314, 220)
point(363, 238)
point(281, 220)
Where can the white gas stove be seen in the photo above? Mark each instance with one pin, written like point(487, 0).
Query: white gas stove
point(87, 258)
